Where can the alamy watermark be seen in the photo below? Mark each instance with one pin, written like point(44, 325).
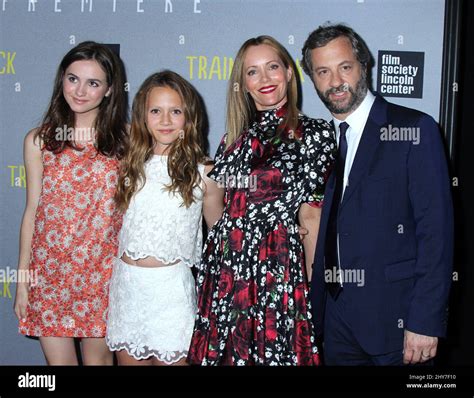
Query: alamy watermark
point(346, 275)
point(237, 181)
point(391, 133)
point(79, 134)
point(13, 275)
point(28, 380)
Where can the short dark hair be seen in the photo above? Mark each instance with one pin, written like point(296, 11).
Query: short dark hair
point(328, 32)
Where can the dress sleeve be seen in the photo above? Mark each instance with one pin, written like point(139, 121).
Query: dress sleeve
point(320, 151)
point(218, 159)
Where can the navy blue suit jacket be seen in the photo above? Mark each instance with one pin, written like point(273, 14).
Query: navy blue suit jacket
point(395, 225)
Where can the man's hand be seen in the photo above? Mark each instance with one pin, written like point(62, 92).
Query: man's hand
point(418, 348)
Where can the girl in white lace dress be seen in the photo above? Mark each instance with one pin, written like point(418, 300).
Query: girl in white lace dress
point(164, 191)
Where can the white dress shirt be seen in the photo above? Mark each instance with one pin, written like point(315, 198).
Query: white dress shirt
point(356, 121)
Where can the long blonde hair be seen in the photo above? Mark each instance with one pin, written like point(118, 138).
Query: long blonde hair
point(241, 110)
point(184, 154)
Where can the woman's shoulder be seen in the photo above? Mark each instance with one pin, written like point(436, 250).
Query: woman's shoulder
point(318, 124)
point(206, 165)
point(30, 135)
point(33, 139)
point(316, 133)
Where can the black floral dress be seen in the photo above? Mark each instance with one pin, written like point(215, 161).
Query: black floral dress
point(253, 305)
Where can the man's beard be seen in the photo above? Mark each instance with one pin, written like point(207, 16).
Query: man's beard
point(357, 96)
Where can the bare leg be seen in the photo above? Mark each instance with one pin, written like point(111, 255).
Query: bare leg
point(96, 352)
point(127, 360)
point(59, 350)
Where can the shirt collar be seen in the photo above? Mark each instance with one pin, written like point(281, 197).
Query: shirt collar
point(358, 118)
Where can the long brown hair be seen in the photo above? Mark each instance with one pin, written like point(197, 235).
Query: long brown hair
point(241, 110)
point(111, 122)
point(184, 154)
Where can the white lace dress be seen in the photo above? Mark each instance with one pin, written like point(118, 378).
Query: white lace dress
point(152, 310)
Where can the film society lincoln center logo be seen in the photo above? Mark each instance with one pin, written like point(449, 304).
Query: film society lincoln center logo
point(400, 74)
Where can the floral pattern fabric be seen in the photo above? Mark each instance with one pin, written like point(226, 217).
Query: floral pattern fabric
point(74, 243)
point(253, 304)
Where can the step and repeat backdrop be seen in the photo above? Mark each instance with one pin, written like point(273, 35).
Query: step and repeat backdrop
point(198, 39)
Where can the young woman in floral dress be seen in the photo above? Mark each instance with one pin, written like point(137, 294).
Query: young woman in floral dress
point(69, 230)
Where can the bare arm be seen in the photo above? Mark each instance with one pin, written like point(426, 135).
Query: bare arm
point(309, 218)
point(213, 205)
point(34, 174)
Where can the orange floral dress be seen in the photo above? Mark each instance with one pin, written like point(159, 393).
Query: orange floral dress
point(74, 242)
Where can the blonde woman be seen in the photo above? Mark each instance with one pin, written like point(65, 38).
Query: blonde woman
point(253, 306)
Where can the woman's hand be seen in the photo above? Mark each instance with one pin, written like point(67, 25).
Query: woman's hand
point(21, 300)
point(303, 232)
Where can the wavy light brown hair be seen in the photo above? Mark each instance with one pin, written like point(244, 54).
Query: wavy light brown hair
point(111, 121)
point(241, 110)
point(184, 154)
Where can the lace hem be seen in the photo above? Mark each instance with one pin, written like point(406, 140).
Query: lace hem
point(142, 352)
point(138, 256)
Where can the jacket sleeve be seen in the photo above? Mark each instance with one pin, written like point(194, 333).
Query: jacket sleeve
point(430, 197)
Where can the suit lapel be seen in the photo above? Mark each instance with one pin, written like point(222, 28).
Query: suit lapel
point(367, 146)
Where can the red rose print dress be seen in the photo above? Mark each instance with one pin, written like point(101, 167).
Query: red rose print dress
point(253, 304)
point(74, 243)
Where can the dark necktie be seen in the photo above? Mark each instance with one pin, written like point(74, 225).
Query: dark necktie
point(331, 263)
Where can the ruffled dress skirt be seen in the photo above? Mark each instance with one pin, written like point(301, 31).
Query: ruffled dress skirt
point(151, 311)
